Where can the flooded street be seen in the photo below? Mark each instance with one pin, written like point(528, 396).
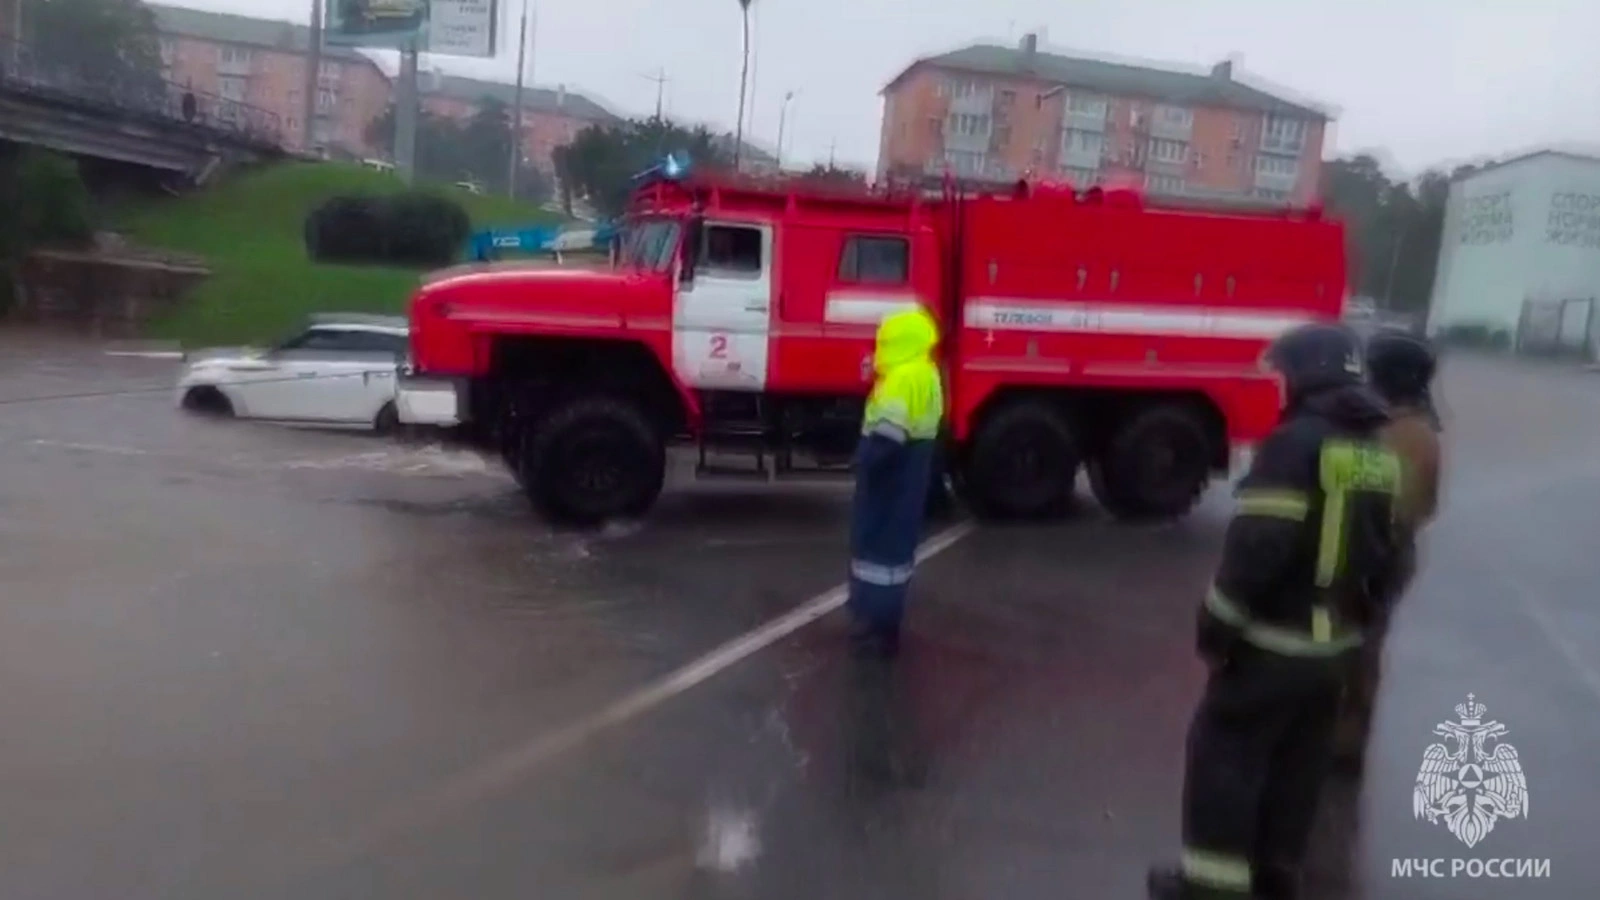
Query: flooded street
point(247, 661)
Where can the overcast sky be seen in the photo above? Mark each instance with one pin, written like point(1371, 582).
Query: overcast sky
point(1424, 80)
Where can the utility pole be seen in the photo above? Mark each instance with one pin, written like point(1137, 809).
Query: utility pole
point(831, 144)
point(313, 73)
point(783, 113)
point(405, 114)
point(660, 78)
point(516, 111)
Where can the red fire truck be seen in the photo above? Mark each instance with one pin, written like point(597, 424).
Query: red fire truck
point(1092, 330)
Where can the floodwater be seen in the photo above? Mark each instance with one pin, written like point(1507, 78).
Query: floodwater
point(245, 661)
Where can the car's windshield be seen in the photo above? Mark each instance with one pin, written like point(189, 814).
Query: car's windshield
point(650, 243)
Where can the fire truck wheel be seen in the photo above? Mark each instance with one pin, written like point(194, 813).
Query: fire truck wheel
point(592, 459)
point(1023, 464)
point(1155, 466)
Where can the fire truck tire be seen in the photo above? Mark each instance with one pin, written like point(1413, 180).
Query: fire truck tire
point(1023, 464)
point(1156, 465)
point(592, 459)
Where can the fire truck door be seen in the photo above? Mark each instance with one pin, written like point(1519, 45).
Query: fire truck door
point(722, 318)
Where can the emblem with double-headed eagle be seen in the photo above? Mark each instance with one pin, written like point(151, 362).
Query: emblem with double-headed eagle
point(1465, 781)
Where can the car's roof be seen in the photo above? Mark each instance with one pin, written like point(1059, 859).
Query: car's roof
point(360, 321)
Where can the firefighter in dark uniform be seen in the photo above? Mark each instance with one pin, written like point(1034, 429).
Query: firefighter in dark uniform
point(1401, 367)
point(1312, 532)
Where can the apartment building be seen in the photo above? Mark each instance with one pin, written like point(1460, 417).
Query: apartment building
point(551, 118)
point(992, 112)
point(263, 63)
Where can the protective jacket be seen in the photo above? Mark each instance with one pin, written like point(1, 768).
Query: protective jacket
point(1313, 536)
point(1414, 438)
point(893, 463)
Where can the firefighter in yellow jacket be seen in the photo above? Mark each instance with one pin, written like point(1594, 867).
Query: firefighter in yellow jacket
point(894, 462)
point(1401, 368)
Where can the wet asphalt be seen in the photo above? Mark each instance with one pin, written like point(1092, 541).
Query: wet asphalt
point(246, 661)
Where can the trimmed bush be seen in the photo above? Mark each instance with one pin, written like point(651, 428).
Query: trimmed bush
point(43, 200)
point(424, 229)
point(408, 229)
point(347, 229)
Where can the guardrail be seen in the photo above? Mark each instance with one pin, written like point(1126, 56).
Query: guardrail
point(21, 68)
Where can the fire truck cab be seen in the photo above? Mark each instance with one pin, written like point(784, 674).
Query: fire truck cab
point(1081, 330)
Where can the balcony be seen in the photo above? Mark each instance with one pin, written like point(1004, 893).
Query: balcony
point(1166, 156)
point(233, 61)
point(1283, 137)
point(1086, 119)
point(1172, 123)
point(968, 132)
point(1082, 149)
point(978, 102)
point(1272, 177)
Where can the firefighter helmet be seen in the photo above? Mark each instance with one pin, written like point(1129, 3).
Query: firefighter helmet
point(1401, 366)
point(1315, 357)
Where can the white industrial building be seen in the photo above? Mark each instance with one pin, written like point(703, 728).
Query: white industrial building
point(1520, 254)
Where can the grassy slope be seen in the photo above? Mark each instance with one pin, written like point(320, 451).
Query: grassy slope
point(249, 229)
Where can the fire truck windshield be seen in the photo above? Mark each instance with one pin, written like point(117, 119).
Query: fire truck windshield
point(650, 243)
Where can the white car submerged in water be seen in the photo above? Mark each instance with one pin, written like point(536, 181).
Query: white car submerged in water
point(339, 370)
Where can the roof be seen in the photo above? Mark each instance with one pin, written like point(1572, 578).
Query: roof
point(1527, 157)
point(360, 321)
point(537, 99)
point(1118, 79)
point(229, 28)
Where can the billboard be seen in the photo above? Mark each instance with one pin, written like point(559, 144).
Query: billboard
point(446, 27)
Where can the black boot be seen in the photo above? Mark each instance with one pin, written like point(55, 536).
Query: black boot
point(1270, 882)
point(1168, 883)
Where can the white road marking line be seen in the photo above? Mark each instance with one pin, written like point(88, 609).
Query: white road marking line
point(147, 354)
point(498, 773)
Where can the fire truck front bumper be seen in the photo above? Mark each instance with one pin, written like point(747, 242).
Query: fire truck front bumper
point(433, 402)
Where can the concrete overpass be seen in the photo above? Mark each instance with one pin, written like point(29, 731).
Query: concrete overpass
point(153, 123)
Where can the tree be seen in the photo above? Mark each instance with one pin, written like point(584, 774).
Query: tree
point(601, 162)
point(824, 175)
point(476, 150)
point(1393, 228)
point(110, 44)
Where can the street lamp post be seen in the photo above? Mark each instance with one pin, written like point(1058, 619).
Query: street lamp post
point(744, 79)
point(516, 111)
point(783, 112)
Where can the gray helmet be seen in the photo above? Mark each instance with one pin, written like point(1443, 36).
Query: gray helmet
point(1316, 357)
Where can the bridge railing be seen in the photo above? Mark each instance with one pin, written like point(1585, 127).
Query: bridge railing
point(21, 67)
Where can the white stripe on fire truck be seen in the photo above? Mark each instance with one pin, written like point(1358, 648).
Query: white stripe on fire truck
point(865, 309)
point(1000, 314)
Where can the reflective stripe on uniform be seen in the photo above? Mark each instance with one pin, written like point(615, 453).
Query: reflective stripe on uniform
point(1277, 504)
point(887, 429)
point(1319, 641)
point(1219, 871)
point(1345, 467)
point(879, 574)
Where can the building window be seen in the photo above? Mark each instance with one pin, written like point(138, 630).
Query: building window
point(321, 132)
point(1082, 177)
point(1163, 184)
point(875, 260)
point(1198, 157)
point(964, 163)
point(234, 58)
point(327, 101)
point(1168, 151)
point(1088, 106)
point(935, 126)
point(1175, 116)
point(1077, 142)
point(1268, 194)
point(1283, 133)
point(958, 88)
point(232, 87)
point(1277, 165)
point(968, 125)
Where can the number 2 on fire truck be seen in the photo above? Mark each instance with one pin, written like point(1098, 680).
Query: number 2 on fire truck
point(717, 348)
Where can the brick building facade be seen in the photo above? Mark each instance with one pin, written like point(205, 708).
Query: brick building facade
point(999, 112)
point(263, 63)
